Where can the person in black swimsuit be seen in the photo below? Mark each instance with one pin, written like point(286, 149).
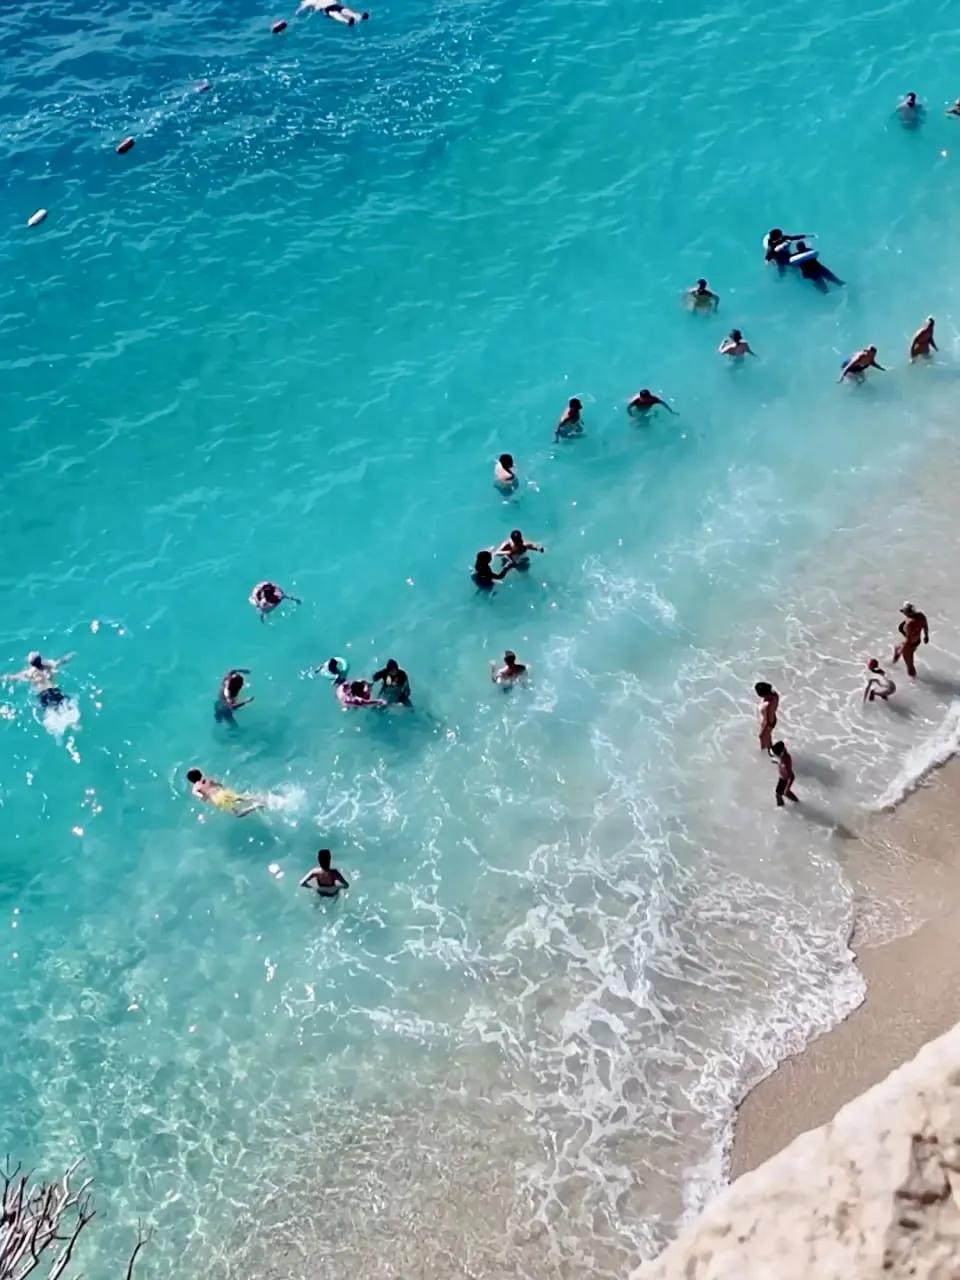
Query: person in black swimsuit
point(228, 699)
point(325, 879)
point(394, 683)
point(40, 672)
point(484, 575)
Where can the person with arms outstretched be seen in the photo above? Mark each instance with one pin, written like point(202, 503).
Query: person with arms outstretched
point(644, 401)
point(41, 673)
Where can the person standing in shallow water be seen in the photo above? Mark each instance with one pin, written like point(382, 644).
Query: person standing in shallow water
point(785, 774)
point(769, 705)
point(484, 576)
point(229, 700)
point(736, 346)
point(505, 473)
point(923, 343)
point(644, 401)
point(571, 420)
point(701, 297)
point(912, 628)
point(856, 367)
point(325, 879)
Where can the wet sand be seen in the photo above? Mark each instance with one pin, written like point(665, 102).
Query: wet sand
point(905, 865)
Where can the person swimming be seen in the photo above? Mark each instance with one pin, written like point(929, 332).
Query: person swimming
point(923, 342)
point(644, 401)
point(394, 683)
point(510, 672)
point(856, 367)
point(955, 109)
point(736, 346)
point(505, 473)
point(212, 791)
point(338, 12)
point(267, 596)
point(41, 673)
point(879, 684)
point(701, 297)
point(355, 693)
point(813, 269)
point(484, 575)
point(228, 699)
point(910, 111)
point(514, 550)
point(571, 420)
point(325, 879)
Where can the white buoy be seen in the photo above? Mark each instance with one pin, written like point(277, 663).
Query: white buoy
point(36, 218)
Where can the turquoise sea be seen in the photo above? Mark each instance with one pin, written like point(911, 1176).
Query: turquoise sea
point(285, 337)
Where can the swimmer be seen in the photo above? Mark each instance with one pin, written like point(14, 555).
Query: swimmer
point(913, 626)
point(769, 706)
point(644, 401)
point(514, 550)
point(702, 298)
point(355, 693)
point(736, 346)
point(879, 684)
point(338, 12)
point(394, 683)
point(923, 342)
point(911, 111)
point(571, 422)
point(505, 473)
point(40, 672)
point(856, 367)
point(267, 596)
point(510, 672)
point(211, 791)
point(955, 109)
point(326, 879)
point(786, 776)
point(484, 575)
point(228, 699)
point(777, 246)
point(813, 269)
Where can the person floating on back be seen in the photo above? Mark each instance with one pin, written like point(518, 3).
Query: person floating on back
point(785, 774)
point(923, 342)
point(228, 699)
point(338, 12)
point(856, 367)
point(267, 596)
point(879, 684)
point(41, 673)
point(701, 297)
point(505, 473)
point(912, 628)
point(394, 683)
point(325, 879)
point(484, 576)
point(212, 791)
point(644, 401)
point(510, 672)
point(571, 421)
point(735, 346)
point(769, 705)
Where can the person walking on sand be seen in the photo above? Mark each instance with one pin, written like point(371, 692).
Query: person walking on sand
point(856, 367)
point(912, 628)
point(769, 705)
point(923, 342)
point(785, 774)
point(736, 346)
point(879, 684)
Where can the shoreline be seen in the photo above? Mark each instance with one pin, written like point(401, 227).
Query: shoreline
point(909, 857)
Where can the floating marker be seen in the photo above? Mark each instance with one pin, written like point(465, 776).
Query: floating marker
point(126, 145)
point(36, 218)
point(278, 27)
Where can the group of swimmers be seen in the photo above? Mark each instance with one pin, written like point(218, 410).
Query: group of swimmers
point(913, 629)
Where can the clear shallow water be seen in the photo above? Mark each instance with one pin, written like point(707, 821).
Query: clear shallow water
point(286, 336)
